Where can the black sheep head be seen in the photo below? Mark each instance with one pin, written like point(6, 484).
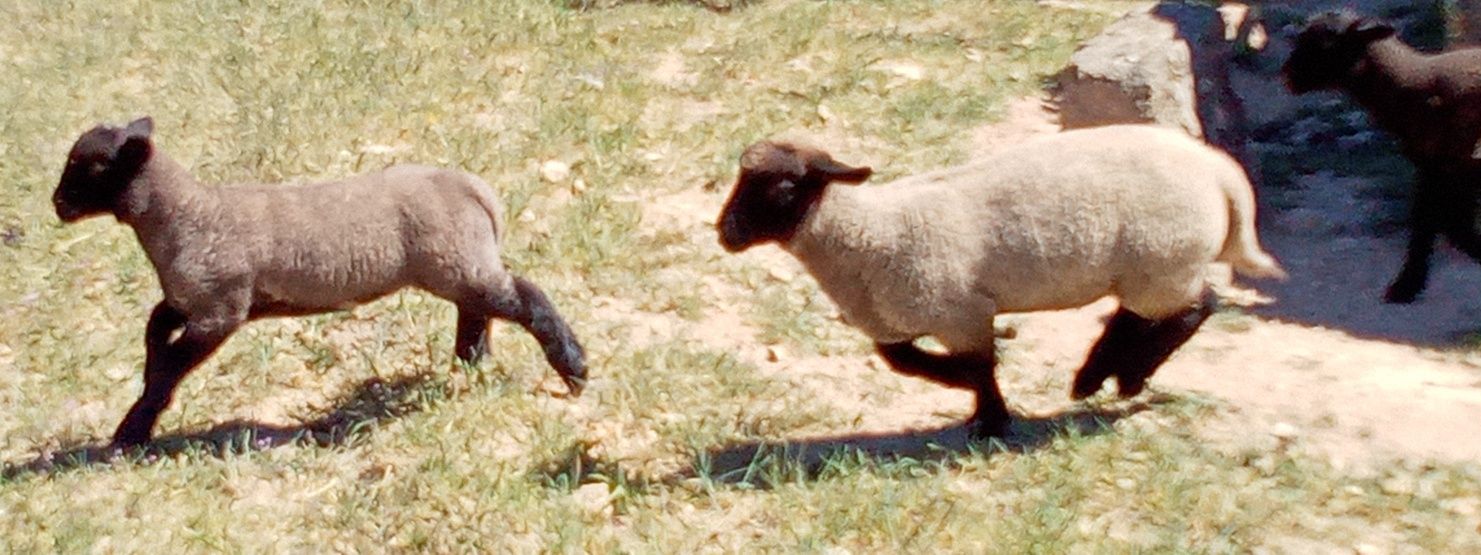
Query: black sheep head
point(100, 167)
point(1331, 48)
point(778, 186)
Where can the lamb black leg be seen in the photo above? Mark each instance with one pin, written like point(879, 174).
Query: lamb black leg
point(967, 371)
point(531, 309)
point(1133, 348)
point(1416, 271)
point(1424, 220)
point(165, 364)
point(472, 341)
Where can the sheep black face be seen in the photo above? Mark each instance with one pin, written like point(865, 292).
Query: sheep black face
point(100, 167)
point(1330, 49)
point(778, 185)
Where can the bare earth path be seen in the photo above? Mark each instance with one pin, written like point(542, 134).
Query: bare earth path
point(1318, 363)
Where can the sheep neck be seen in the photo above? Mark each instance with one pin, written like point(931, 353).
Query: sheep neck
point(164, 206)
point(1392, 84)
point(840, 235)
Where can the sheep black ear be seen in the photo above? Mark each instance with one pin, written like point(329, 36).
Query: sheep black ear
point(142, 127)
point(136, 144)
point(1370, 30)
point(837, 172)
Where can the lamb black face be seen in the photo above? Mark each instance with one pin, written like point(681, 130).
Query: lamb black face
point(778, 186)
point(99, 168)
point(1329, 49)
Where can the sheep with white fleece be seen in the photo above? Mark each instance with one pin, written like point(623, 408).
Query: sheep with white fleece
point(1137, 212)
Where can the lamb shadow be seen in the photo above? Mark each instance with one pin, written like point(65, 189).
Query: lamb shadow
point(374, 401)
point(753, 463)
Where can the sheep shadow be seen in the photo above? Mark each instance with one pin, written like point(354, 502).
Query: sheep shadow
point(757, 464)
point(373, 401)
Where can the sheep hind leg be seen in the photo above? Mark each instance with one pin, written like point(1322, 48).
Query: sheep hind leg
point(525, 304)
point(976, 371)
point(1133, 348)
point(472, 339)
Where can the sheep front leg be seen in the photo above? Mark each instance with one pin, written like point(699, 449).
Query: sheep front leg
point(1422, 233)
point(976, 371)
point(526, 305)
point(165, 364)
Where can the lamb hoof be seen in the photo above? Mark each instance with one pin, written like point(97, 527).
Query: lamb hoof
point(986, 430)
point(575, 385)
point(1397, 295)
point(1128, 387)
point(1086, 385)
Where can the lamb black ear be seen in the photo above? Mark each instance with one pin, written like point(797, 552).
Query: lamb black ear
point(1370, 30)
point(841, 173)
point(136, 145)
point(142, 127)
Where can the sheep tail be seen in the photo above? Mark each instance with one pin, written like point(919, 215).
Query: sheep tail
point(484, 195)
point(1242, 246)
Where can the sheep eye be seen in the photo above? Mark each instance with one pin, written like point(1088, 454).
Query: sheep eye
point(96, 168)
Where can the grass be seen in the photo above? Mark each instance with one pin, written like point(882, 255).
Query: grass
point(359, 432)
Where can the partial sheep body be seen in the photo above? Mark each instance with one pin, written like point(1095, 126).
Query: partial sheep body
point(1137, 212)
point(1430, 102)
point(229, 255)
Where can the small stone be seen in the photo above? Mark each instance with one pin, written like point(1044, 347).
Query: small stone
point(1367, 549)
point(1126, 483)
point(824, 113)
point(1462, 507)
point(781, 274)
point(555, 171)
point(578, 186)
point(594, 497)
point(1397, 486)
point(775, 353)
point(119, 372)
point(1284, 431)
point(1354, 490)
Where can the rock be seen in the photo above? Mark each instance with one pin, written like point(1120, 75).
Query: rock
point(555, 171)
point(596, 498)
point(1284, 431)
point(1367, 549)
point(1166, 66)
point(775, 353)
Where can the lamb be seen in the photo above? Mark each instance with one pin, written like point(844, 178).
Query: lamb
point(1430, 102)
point(1056, 222)
point(229, 255)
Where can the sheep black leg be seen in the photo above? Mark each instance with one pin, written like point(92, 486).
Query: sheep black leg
point(1405, 288)
point(1159, 342)
point(531, 309)
point(165, 364)
point(472, 341)
point(1112, 351)
point(950, 371)
point(966, 371)
point(1133, 348)
point(1422, 233)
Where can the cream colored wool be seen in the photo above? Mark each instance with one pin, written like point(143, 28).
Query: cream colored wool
point(1057, 222)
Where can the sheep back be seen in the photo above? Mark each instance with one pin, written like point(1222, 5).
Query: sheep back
point(1056, 222)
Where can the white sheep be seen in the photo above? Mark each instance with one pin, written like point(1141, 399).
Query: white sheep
point(229, 255)
point(1057, 222)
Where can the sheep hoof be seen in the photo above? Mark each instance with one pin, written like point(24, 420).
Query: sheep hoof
point(1400, 295)
point(984, 430)
point(574, 384)
point(1128, 387)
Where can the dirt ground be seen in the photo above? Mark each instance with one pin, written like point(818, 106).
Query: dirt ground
point(1317, 364)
